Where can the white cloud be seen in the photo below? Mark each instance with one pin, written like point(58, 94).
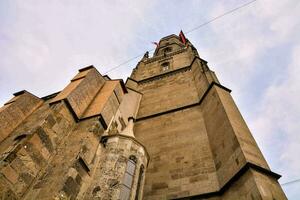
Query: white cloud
point(241, 45)
point(278, 119)
point(239, 40)
point(44, 43)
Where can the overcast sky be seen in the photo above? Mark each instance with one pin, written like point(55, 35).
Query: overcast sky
point(254, 51)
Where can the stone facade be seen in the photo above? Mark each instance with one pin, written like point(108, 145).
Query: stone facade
point(172, 131)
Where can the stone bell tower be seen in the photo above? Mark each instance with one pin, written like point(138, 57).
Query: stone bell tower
point(199, 145)
point(171, 132)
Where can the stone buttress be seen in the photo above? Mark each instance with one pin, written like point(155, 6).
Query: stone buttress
point(74, 144)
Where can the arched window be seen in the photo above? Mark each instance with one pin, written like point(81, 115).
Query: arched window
point(139, 186)
point(167, 49)
point(128, 178)
point(165, 66)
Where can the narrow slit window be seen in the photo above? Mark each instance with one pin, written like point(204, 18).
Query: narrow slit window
point(84, 165)
point(139, 186)
point(20, 137)
point(81, 167)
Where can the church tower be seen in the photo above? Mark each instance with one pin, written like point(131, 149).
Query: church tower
point(171, 132)
point(199, 145)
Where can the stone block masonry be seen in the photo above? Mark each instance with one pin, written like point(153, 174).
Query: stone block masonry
point(171, 132)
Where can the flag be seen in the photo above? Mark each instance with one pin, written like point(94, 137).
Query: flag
point(182, 37)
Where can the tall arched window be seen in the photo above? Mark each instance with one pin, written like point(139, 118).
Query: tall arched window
point(139, 186)
point(128, 178)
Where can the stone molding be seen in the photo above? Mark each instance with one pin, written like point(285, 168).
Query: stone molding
point(187, 106)
point(156, 58)
point(104, 139)
point(186, 68)
point(235, 178)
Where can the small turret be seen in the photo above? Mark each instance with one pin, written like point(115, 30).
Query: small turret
point(124, 166)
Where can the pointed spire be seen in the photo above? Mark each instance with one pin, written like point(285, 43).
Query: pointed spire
point(128, 131)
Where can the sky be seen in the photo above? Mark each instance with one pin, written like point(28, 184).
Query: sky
point(254, 51)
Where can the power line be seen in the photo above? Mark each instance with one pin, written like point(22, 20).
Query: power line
point(187, 32)
point(220, 16)
point(290, 182)
point(192, 30)
point(123, 63)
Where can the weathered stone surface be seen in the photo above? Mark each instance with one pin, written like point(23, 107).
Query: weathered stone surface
point(196, 137)
point(15, 111)
point(173, 133)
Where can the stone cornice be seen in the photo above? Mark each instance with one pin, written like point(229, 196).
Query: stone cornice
point(50, 96)
point(86, 68)
point(106, 137)
point(156, 58)
point(233, 179)
point(74, 115)
point(186, 106)
point(171, 43)
point(170, 73)
point(131, 80)
point(159, 76)
point(134, 90)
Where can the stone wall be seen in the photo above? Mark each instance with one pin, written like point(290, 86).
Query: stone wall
point(200, 146)
point(181, 161)
point(254, 185)
point(109, 175)
point(229, 136)
point(167, 93)
point(152, 67)
point(188, 131)
point(27, 152)
point(54, 151)
point(15, 111)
